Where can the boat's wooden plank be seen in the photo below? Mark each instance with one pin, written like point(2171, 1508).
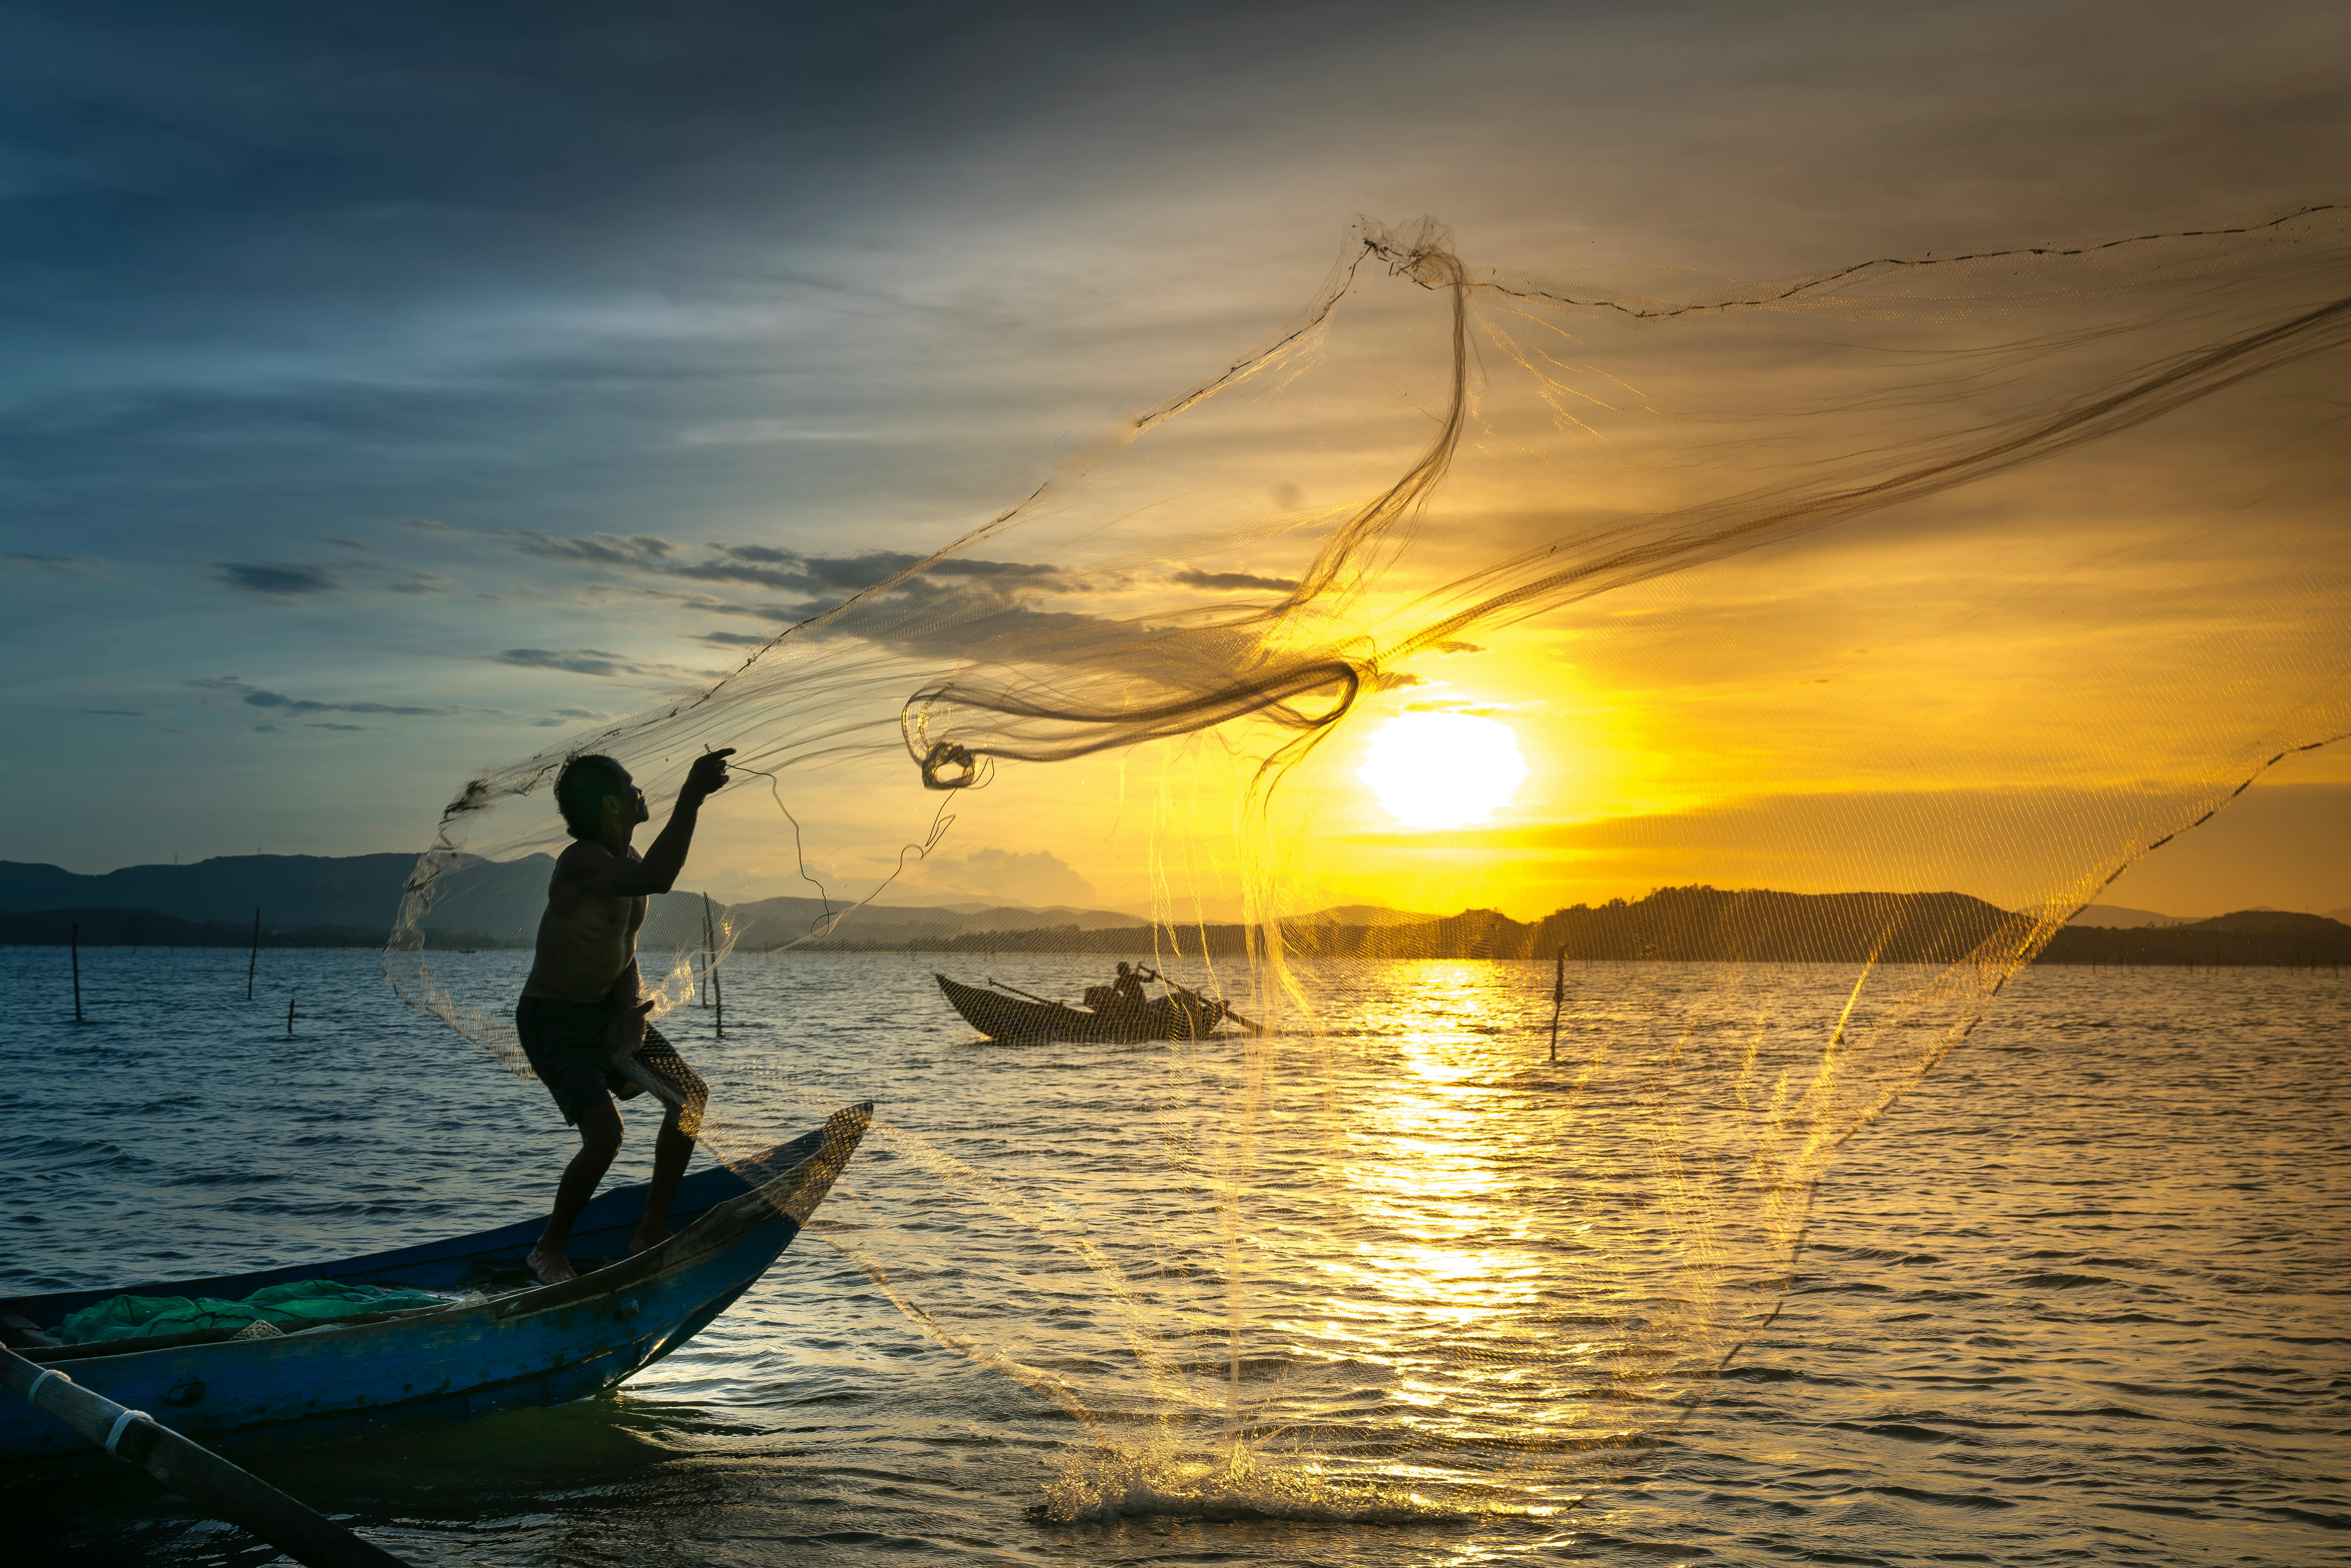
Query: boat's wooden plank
point(195, 1472)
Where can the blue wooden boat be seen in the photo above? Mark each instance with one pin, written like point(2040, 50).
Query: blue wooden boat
point(503, 1342)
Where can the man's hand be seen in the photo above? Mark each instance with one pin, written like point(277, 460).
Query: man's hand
point(628, 1030)
point(708, 774)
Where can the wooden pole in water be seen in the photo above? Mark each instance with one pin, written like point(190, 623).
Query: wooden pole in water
point(705, 997)
point(196, 1473)
point(289, 1016)
point(1557, 996)
point(75, 938)
point(254, 962)
point(710, 966)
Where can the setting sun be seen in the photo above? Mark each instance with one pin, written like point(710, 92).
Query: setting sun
point(1443, 770)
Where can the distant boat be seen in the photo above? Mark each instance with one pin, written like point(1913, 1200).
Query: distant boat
point(515, 1344)
point(1179, 1015)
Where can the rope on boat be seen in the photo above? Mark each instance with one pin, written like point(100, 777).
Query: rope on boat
point(33, 1395)
point(114, 1434)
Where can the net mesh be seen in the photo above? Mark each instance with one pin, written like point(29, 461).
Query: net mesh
point(1988, 572)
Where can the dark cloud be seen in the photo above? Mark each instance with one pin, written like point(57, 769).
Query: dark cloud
point(579, 660)
point(977, 624)
point(735, 639)
point(1190, 578)
point(118, 712)
point(320, 724)
point(1457, 647)
point(68, 565)
point(254, 696)
point(1026, 573)
point(276, 578)
point(787, 580)
point(564, 716)
point(980, 613)
point(854, 572)
point(823, 579)
point(642, 551)
point(781, 614)
point(819, 579)
point(295, 579)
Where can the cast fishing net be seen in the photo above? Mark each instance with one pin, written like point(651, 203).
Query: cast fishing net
point(1984, 573)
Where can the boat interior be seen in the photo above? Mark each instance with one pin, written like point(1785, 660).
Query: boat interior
point(485, 1263)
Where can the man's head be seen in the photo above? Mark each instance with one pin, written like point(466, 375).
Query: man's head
point(596, 793)
point(1122, 970)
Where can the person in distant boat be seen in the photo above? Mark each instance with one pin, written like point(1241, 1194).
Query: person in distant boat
point(1128, 989)
point(580, 1021)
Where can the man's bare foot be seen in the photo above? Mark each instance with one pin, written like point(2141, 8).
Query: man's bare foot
point(646, 1238)
point(550, 1268)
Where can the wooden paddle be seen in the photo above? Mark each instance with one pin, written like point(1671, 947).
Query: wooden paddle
point(1018, 992)
point(1230, 1012)
point(196, 1473)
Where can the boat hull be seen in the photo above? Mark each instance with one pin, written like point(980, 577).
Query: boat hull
point(1009, 1019)
point(526, 1346)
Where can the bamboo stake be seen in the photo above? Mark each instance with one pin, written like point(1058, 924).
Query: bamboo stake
point(195, 1473)
point(254, 962)
point(76, 939)
point(705, 997)
point(710, 966)
point(1557, 997)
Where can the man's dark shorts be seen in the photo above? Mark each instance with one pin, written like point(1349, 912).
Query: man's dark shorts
point(571, 1048)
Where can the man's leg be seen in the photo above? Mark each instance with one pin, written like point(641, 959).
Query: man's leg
point(671, 1151)
point(600, 1141)
point(685, 1094)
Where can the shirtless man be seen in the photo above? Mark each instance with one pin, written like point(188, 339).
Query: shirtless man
point(581, 1023)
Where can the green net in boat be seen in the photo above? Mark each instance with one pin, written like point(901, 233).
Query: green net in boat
point(285, 1308)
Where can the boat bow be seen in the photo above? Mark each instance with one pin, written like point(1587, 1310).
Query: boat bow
point(793, 1193)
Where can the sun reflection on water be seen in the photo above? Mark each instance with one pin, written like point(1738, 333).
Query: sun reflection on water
point(1405, 1265)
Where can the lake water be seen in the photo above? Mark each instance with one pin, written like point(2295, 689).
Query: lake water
point(2083, 1295)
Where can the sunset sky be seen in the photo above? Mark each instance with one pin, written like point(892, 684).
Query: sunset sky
point(395, 392)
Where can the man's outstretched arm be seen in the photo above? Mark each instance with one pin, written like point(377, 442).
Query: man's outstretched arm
point(614, 877)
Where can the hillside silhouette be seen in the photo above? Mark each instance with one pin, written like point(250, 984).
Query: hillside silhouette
point(1706, 924)
point(350, 901)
